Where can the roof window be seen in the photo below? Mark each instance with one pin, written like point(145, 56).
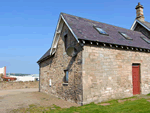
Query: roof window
point(100, 30)
point(145, 33)
point(146, 39)
point(125, 36)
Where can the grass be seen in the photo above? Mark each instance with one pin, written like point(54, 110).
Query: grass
point(148, 94)
point(140, 105)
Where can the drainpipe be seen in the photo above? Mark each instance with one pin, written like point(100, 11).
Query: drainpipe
point(39, 77)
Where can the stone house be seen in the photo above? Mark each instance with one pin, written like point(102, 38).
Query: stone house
point(90, 61)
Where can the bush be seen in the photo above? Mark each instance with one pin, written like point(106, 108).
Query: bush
point(148, 94)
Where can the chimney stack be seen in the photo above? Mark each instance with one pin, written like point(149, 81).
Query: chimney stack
point(139, 12)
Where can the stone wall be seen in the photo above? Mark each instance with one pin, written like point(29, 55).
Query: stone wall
point(18, 85)
point(54, 67)
point(107, 73)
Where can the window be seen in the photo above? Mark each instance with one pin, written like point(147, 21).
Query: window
point(66, 76)
point(100, 30)
point(145, 33)
point(146, 39)
point(65, 40)
point(125, 36)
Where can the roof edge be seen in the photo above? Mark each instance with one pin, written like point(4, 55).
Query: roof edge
point(69, 27)
point(45, 55)
point(58, 27)
point(42, 60)
point(134, 25)
point(55, 33)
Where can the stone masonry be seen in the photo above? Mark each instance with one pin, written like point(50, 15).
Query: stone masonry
point(107, 73)
point(54, 67)
point(96, 73)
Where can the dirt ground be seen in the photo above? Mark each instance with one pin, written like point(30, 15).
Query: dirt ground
point(14, 99)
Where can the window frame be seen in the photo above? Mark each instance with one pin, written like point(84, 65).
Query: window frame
point(145, 39)
point(101, 29)
point(65, 40)
point(121, 33)
point(144, 34)
point(66, 77)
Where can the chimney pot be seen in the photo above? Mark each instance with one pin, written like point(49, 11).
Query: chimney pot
point(139, 3)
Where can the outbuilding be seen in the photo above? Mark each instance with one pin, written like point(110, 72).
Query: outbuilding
point(90, 61)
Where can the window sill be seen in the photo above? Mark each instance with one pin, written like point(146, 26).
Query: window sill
point(65, 84)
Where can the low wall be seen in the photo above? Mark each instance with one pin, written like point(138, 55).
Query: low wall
point(18, 85)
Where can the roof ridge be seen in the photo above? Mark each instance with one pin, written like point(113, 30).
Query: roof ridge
point(147, 21)
point(143, 21)
point(97, 21)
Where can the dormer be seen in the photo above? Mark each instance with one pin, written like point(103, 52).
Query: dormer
point(140, 24)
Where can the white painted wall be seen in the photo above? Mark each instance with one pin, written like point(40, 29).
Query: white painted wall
point(25, 78)
point(2, 70)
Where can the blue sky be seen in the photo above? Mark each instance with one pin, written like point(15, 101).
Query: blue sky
point(27, 26)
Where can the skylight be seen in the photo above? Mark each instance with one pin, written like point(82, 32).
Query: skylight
point(125, 36)
point(100, 30)
point(146, 39)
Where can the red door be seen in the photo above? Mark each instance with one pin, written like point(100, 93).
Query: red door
point(136, 79)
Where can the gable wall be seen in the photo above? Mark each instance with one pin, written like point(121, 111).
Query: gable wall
point(53, 69)
point(107, 73)
point(141, 28)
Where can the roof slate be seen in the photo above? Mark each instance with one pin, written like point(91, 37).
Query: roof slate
point(83, 29)
point(147, 24)
point(47, 54)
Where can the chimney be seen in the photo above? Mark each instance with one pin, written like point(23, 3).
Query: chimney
point(139, 12)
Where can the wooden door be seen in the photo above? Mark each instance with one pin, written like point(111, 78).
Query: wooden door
point(136, 79)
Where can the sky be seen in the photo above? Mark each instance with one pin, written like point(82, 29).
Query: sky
point(27, 26)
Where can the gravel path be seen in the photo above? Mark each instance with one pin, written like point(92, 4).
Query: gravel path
point(14, 99)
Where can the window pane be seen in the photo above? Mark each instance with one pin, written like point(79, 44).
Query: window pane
point(125, 36)
point(146, 39)
point(65, 38)
point(66, 76)
point(101, 31)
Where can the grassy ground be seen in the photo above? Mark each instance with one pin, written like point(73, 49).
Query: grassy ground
point(127, 105)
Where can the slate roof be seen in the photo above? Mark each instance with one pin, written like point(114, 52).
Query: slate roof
point(45, 56)
point(147, 24)
point(83, 29)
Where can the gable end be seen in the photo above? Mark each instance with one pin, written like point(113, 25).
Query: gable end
point(58, 30)
point(135, 24)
